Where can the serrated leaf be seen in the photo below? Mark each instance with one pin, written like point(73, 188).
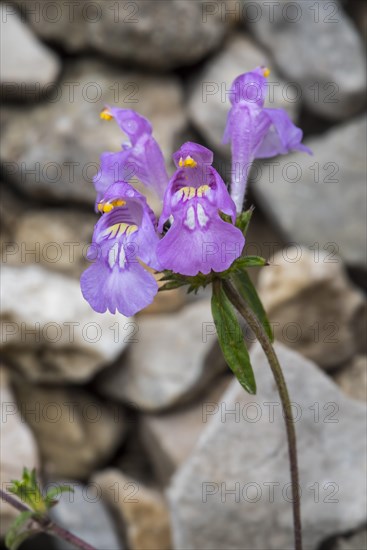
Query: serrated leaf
point(248, 292)
point(231, 339)
point(18, 523)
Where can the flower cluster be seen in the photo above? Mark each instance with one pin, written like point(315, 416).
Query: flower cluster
point(196, 232)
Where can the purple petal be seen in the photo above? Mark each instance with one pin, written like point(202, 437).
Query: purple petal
point(198, 152)
point(242, 131)
point(148, 164)
point(199, 241)
point(282, 136)
point(144, 158)
point(114, 167)
point(249, 88)
point(131, 123)
point(127, 291)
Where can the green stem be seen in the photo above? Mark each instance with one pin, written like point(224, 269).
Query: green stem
point(266, 344)
point(47, 525)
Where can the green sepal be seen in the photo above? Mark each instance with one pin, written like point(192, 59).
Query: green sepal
point(231, 339)
point(248, 292)
point(175, 280)
point(243, 220)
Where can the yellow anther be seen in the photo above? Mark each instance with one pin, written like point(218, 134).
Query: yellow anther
point(106, 114)
point(266, 72)
point(105, 207)
point(188, 162)
point(119, 202)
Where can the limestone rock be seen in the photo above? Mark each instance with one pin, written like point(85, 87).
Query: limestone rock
point(319, 201)
point(356, 541)
point(18, 448)
point(352, 378)
point(50, 332)
point(75, 432)
point(333, 84)
point(85, 515)
point(142, 511)
point(172, 360)
point(234, 492)
point(160, 432)
point(60, 239)
point(209, 102)
point(53, 152)
point(163, 35)
point(312, 305)
point(27, 66)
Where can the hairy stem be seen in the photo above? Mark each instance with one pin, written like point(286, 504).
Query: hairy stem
point(265, 343)
point(47, 525)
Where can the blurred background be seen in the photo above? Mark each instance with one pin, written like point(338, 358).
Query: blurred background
point(142, 416)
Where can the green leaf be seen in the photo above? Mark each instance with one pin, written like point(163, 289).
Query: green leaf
point(21, 537)
point(171, 285)
point(248, 261)
point(247, 291)
point(13, 533)
point(231, 339)
point(55, 492)
point(27, 489)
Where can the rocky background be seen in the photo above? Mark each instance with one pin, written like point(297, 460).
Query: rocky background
point(142, 416)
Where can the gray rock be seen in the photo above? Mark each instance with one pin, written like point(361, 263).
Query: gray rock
point(320, 201)
point(141, 510)
point(159, 431)
point(60, 237)
point(356, 541)
point(163, 35)
point(352, 378)
point(76, 432)
point(61, 140)
point(85, 515)
point(318, 47)
point(312, 305)
point(50, 332)
point(27, 66)
point(234, 492)
point(172, 361)
point(209, 103)
point(18, 448)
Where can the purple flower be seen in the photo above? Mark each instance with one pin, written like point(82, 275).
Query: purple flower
point(124, 235)
point(199, 240)
point(255, 131)
point(140, 157)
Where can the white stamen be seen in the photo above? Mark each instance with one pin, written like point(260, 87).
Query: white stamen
point(202, 217)
point(190, 218)
point(112, 255)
